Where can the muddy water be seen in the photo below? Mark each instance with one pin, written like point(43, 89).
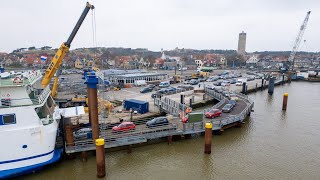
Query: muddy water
point(271, 145)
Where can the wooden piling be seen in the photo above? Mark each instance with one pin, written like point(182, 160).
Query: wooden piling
point(93, 112)
point(84, 156)
point(208, 138)
point(129, 149)
point(69, 135)
point(285, 101)
point(271, 85)
point(100, 158)
point(169, 140)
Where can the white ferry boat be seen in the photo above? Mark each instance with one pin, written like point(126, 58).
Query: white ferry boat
point(29, 121)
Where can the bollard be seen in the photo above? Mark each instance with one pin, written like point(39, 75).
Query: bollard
point(256, 86)
point(100, 158)
point(182, 98)
point(271, 86)
point(285, 101)
point(282, 79)
point(190, 102)
point(208, 138)
point(244, 84)
point(262, 83)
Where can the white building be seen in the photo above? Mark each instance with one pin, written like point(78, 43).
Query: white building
point(253, 59)
point(199, 63)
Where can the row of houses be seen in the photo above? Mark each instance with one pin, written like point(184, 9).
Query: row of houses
point(301, 61)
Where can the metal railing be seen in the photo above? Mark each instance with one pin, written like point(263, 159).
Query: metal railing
point(39, 99)
point(28, 78)
point(142, 132)
point(44, 94)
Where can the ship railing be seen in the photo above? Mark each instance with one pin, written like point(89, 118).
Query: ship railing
point(43, 95)
point(20, 81)
point(33, 75)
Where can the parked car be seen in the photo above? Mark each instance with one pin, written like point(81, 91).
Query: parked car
point(159, 121)
point(186, 87)
point(186, 82)
point(213, 113)
point(162, 91)
point(227, 108)
point(233, 81)
point(225, 83)
point(233, 102)
point(146, 89)
point(152, 86)
point(217, 83)
point(193, 82)
point(164, 84)
point(156, 95)
point(171, 90)
point(83, 133)
point(125, 126)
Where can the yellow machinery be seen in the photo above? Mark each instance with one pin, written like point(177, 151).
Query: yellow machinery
point(175, 79)
point(103, 104)
point(200, 74)
point(61, 53)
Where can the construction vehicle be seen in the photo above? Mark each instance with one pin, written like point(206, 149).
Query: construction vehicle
point(175, 79)
point(296, 45)
point(200, 74)
point(61, 53)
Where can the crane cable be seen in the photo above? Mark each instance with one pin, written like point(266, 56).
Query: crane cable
point(94, 31)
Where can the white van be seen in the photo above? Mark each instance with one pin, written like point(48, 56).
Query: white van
point(164, 84)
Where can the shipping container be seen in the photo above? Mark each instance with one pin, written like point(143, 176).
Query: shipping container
point(136, 105)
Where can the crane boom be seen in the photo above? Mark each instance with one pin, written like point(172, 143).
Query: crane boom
point(298, 39)
point(64, 48)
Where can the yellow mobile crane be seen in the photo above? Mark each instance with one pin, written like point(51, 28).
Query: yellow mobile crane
point(61, 53)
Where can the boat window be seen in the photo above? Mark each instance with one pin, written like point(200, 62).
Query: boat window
point(7, 119)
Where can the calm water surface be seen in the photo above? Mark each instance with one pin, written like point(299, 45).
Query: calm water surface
point(271, 145)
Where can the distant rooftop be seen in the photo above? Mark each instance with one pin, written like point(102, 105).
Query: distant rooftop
point(109, 72)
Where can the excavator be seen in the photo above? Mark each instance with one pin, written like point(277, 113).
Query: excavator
point(55, 64)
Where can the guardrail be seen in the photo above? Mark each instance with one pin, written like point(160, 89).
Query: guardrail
point(169, 106)
point(44, 94)
point(175, 127)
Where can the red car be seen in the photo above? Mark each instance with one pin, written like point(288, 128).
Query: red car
point(125, 126)
point(213, 113)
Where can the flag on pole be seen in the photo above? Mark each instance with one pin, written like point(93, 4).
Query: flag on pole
point(43, 58)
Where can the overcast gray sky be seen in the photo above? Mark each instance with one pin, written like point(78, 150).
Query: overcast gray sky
point(156, 24)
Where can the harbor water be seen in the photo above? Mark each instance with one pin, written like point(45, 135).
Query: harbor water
point(272, 144)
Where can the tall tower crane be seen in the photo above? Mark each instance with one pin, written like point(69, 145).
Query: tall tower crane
point(298, 40)
point(61, 53)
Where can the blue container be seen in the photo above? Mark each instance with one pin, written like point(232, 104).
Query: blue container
point(136, 105)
